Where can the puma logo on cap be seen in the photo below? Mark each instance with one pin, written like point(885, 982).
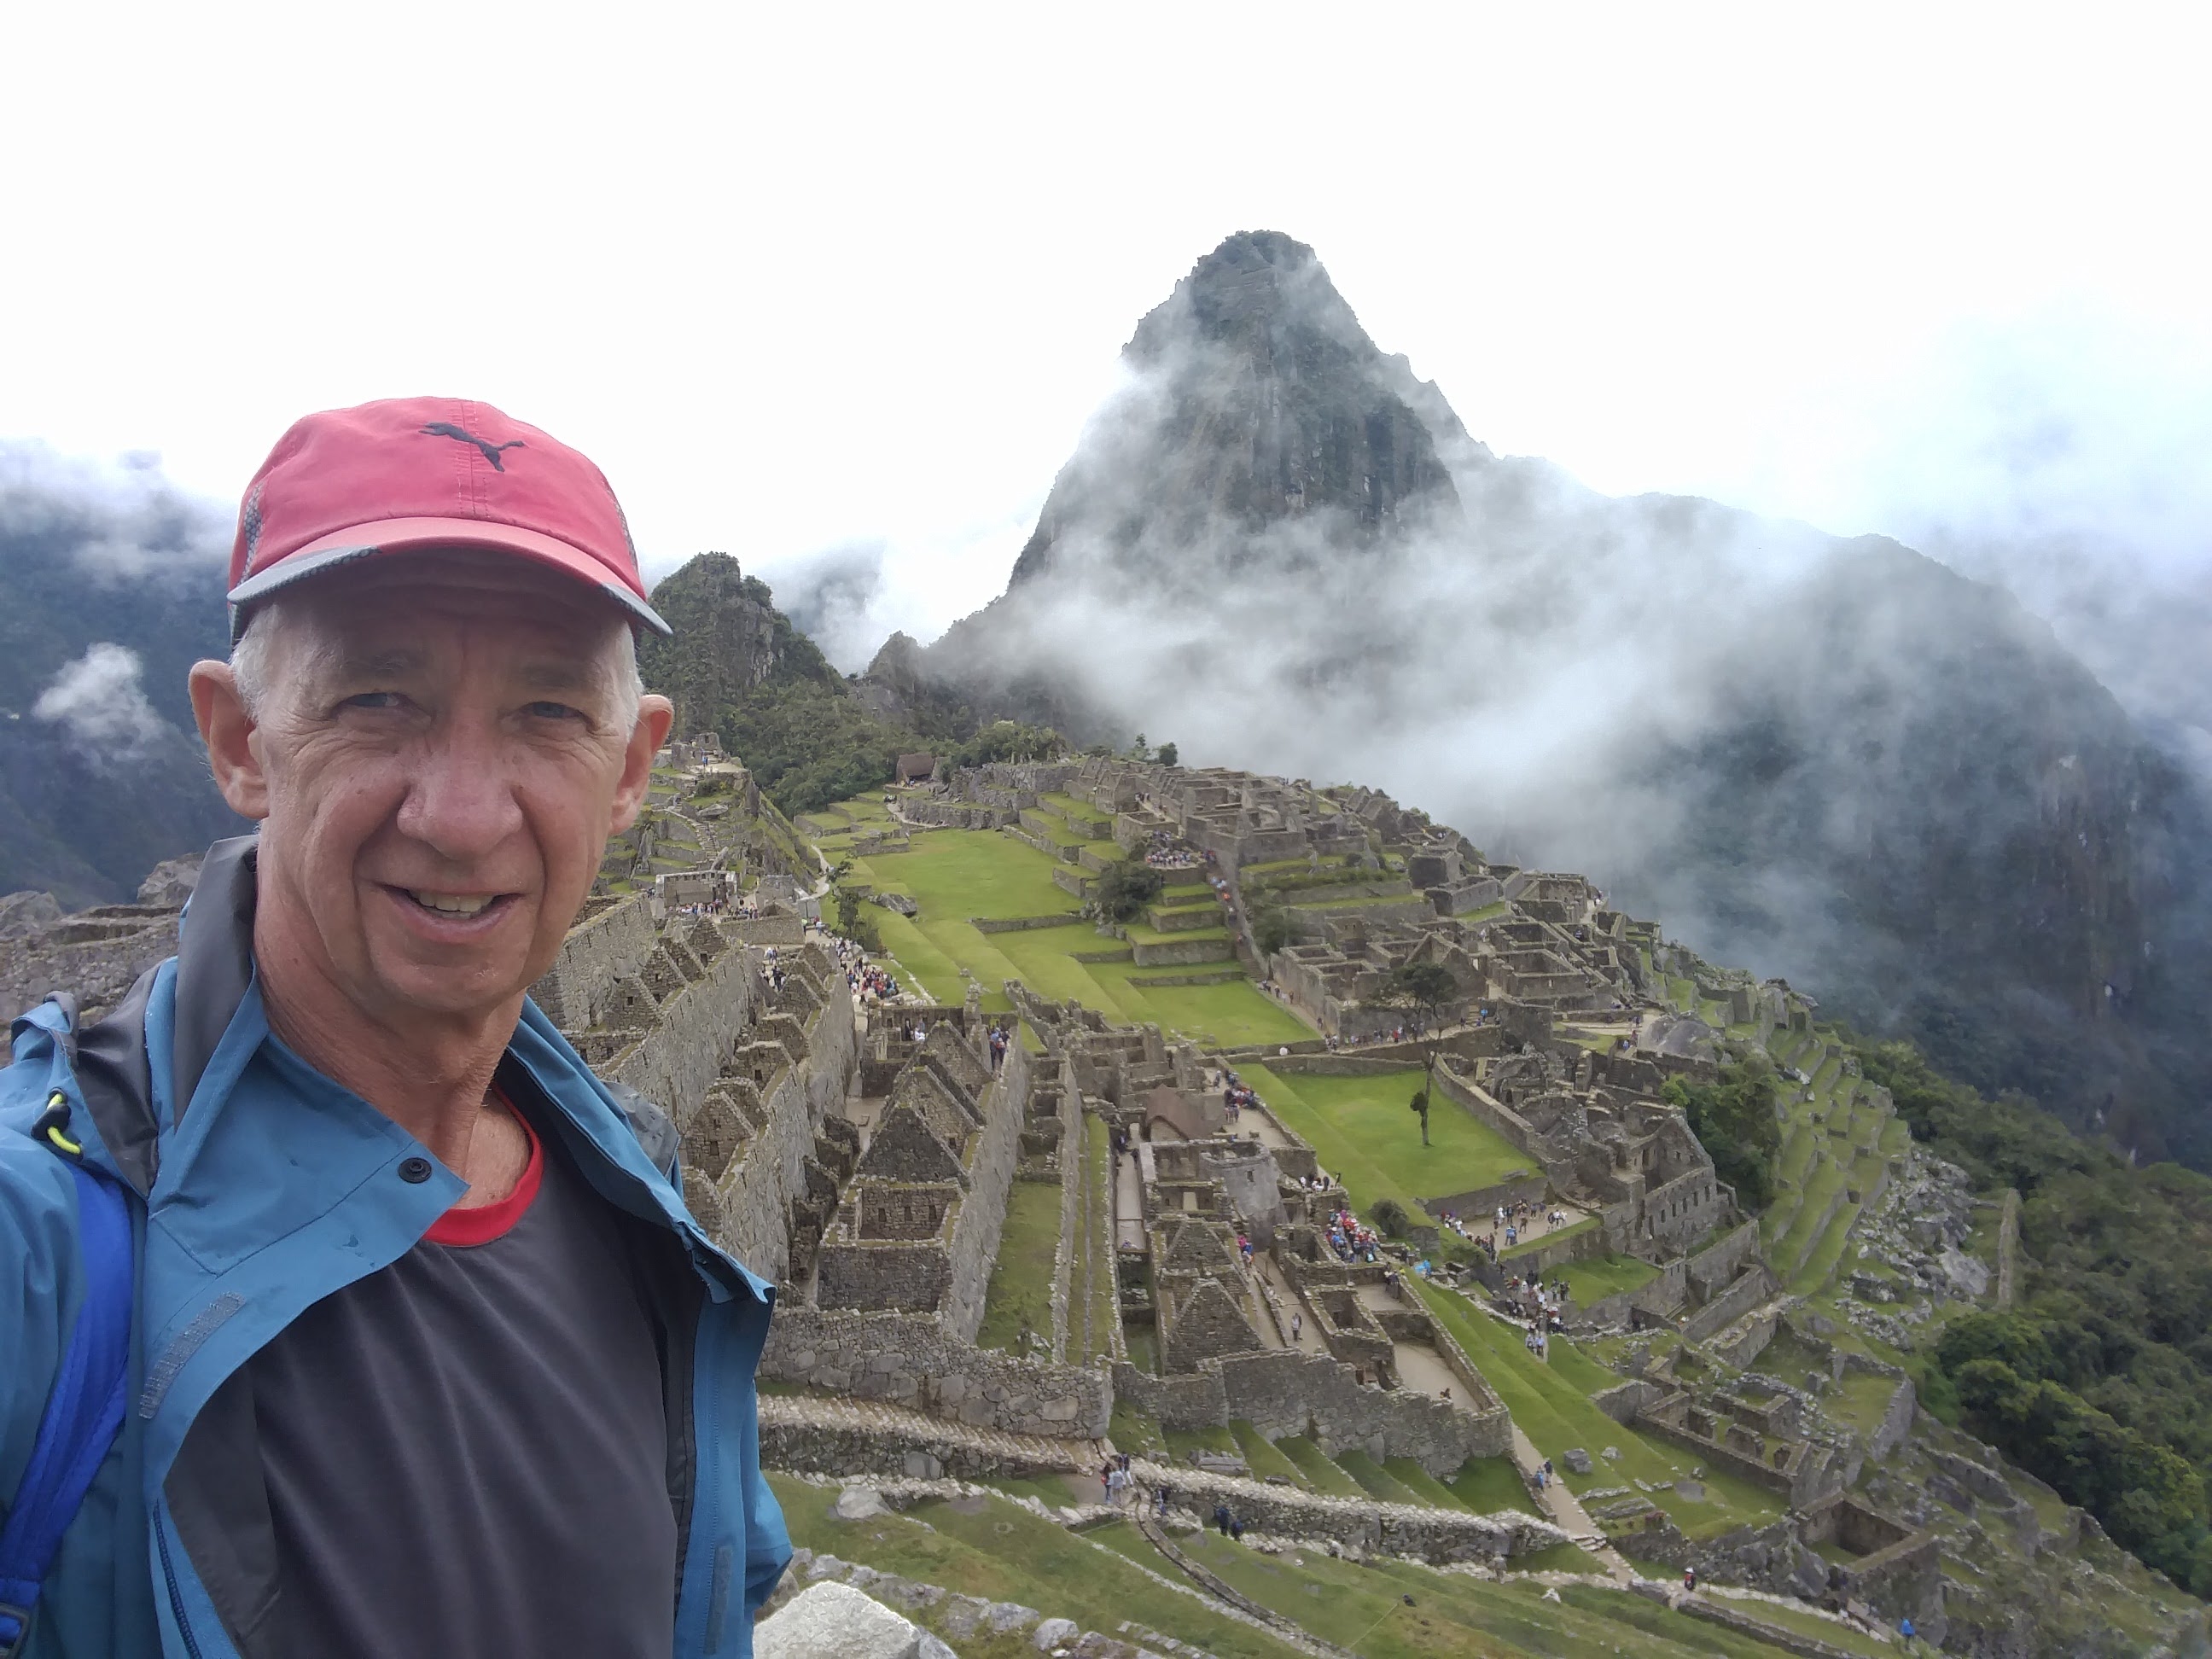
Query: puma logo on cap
point(447, 430)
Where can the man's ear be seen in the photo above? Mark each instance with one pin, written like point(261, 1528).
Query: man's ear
point(229, 732)
point(655, 715)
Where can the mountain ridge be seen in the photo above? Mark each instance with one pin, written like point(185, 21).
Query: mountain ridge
point(1835, 757)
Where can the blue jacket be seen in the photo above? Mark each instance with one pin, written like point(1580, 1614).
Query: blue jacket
point(263, 1186)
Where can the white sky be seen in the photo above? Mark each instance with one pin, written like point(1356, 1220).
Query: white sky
point(859, 273)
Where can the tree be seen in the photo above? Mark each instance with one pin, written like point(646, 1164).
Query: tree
point(1424, 990)
point(1124, 888)
point(1138, 748)
point(1390, 1218)
point(1734, 1120)
point(1420, 1103)
point(1169, 755)
point(1271, 929)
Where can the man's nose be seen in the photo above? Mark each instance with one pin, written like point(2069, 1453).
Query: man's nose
point(460, 801)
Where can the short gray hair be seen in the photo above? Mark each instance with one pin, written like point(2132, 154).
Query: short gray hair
point(249, 666)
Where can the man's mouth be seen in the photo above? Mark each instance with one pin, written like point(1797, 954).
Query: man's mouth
point(451, 904)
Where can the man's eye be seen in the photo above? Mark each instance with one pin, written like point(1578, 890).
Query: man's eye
point(372, 700)
point(550, 711)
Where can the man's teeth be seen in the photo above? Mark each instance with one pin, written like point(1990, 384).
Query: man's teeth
point(451, 904)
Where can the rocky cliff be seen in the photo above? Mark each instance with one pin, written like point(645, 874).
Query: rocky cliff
point(737, 667)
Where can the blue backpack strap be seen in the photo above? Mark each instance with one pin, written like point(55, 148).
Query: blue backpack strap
point(84, 1409)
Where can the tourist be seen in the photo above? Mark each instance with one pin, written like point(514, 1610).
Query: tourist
point(392, 1119)
point(1221, 1518)
point(1236, 1528)
point(1690, 1579)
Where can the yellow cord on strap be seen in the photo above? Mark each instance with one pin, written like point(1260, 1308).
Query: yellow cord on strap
point(63, 1142)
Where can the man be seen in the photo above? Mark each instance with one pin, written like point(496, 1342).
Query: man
point(428, 1356)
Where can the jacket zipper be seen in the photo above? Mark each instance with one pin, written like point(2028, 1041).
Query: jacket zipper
point(176, 1597)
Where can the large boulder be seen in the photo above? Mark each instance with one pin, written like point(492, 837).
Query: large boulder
point(27, 912)
point(834, 1618)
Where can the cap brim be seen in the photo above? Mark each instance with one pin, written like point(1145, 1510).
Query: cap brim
point(367, 541)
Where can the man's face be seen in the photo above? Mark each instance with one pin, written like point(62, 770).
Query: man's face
point(441, 752)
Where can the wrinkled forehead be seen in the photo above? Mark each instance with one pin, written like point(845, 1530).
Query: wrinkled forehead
point(421, 607)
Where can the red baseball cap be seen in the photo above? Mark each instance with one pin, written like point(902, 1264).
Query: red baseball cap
point(406, 475)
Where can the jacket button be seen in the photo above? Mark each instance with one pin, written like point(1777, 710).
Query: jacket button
point(416, 1170)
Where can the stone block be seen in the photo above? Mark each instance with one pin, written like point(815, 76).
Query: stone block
point(1053, 1633)
point(834, 1618)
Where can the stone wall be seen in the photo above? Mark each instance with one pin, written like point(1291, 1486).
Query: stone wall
point(1366, 1524)
point(1717, 1266)
point(1686, 1208)
point(1479, 1208)
point(915, 1360)
point(1658, 1298)
point(576, 991)
point(973, 1243)
point(1752, 1287)
point(756, 1191)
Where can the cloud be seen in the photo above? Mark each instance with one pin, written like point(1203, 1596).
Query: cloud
point(831, 597)
point(100, 702)
point(117, 524)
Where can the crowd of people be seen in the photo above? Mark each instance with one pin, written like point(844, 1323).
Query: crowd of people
point(1511, 1224)
point(1164, 852)
point(1351, 1239)
point(872, 986)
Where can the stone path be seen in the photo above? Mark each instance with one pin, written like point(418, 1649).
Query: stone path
point(1565, 1510)
point(1129, 1206)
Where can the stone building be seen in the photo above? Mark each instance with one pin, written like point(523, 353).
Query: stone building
point(916, 1228)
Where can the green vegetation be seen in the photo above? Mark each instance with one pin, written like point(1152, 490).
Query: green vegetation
point(737, 667)
point(1550, 1403)
point(1010, 740)
point(1094, 1306)
point(1020, 1300)
point(1734, 1120)
point(1264, 1458)
point(1321, 1473)
point(2099, 1381)
point(1357, 1126)
point(1487, 1485)
point(1124, 888)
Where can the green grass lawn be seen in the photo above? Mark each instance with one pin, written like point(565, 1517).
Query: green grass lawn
point(1487, 1485)
point(1020, 1295)
point(956, 874)
point(1424, 1487)
point(1098, 1243)
point(1598, 1277)
point(1314, 1463)
point(1363, 1134)
point(1263, 1456)
point(1374, 1480)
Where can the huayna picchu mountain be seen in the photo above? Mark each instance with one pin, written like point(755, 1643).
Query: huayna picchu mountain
point(1835, 760)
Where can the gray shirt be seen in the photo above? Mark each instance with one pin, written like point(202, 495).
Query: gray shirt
point(466, 1454)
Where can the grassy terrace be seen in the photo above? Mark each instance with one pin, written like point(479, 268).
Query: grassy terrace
point(998, 1550)
point(1606, 1275)
point(1550, 1402)
point(1020, 1294)
point(1363, 1134)
point(1093, 1308)
point(956, 874)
